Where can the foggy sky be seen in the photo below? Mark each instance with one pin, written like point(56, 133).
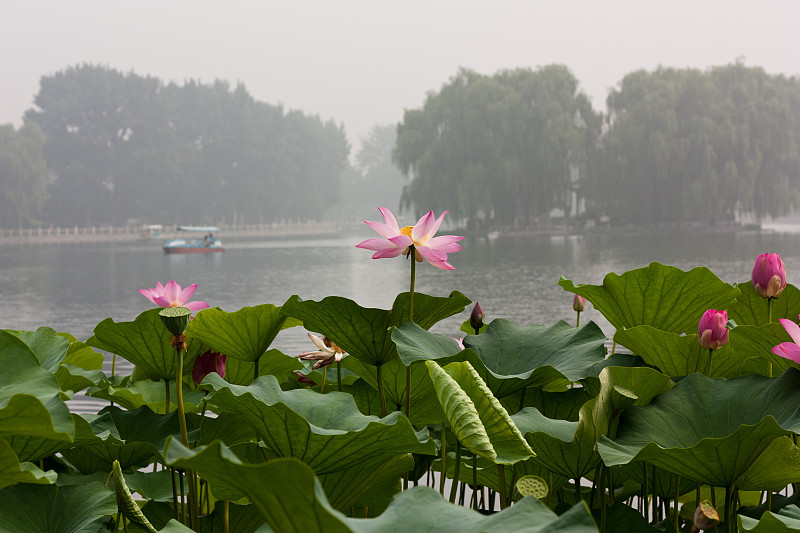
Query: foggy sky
point(363, 62)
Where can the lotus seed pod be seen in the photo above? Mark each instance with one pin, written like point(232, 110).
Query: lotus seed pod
point(175, 319)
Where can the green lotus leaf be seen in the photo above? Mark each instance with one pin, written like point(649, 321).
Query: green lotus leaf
point(30, 397)
point(569, 448)
point(302, 507)
point(13, 471)
point(365, 333)
point(75, 508)
point(787, 520)
point(510, 357)
point(131, 437)
point(145, 342)
point(152, 486)
point(48, 346)
point(665, 297)
point(477, 418)
point(327, 431)
point(82, 367)
point(621, 518)
point(230, 428)
point(34, 449)
point(241, 518)
point(135, 394)
point(713, 430)
point(751, 309)
point(378, 475)
point(274, 362)
point(757, 342)
point(244, 334)
point(425, 408)
point(565, 405)
point(681, 355)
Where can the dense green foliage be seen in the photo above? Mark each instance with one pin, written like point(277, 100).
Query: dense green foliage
point(506, 147)
point(674, 145)
point(125, 146)
point(23, 175)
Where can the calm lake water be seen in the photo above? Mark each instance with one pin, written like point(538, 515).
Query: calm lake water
point(73, 287)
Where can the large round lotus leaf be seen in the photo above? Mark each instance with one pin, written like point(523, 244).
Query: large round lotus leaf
point(751, 309)
point(50, 347)
point(145, 342)
point(665, 297)
point(714, 430)
point(244, 334)
point(425, 408)
point(30, 396)
point(787, 520)
point(13, 471)
point(366, 333)
point(146, 392)
point(301, 506)
point(681, 355)
point(569, 448)
point(757, 342)
point(273, 362)
point(509, 357)
point(327, 431)
point(55, 509)
point(480, 423)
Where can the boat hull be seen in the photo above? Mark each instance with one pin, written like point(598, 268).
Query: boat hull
point(192, 250)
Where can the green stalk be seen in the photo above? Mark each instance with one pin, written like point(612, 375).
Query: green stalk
point(324, 377)
point(708, 368)
point(412, 254)
point(769, 308)
point(227, 516)
point(677, 495)
point(456, 473)
point(339, 375)
point(578, 496)
point(578, 320)
point(645, 505)
point(501, 474)
point(255, 370)
point(601, 487)
point(193, 514)
point(174, 492)
point(655, 493)
point(444, 460)
point(380, 390)
point(475, 481)
point(728, 514)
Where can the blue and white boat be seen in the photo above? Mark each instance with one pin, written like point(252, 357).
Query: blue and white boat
point(208, 244)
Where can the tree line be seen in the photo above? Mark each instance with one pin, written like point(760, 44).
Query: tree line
point(513, 148)
point(673, 145)
point(123, 146)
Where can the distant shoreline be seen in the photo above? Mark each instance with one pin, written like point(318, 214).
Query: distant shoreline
point(75, 234)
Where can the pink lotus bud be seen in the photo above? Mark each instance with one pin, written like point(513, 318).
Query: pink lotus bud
point(769, 275)
point(712, 329)
point(705, 517)
point(578, 303)
point(476, 317)
point(207, 363)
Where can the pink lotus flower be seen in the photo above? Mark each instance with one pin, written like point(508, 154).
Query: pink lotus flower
point(207, 363)
point(578, 303)
point(789, 350)
point(398, 240)
point(769, 275)
point(172, 295)
point(712, 329)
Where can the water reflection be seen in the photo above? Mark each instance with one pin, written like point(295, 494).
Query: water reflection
point(72, 288)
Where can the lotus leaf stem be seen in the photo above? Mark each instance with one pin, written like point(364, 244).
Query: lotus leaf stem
point(501, 475)
point(339, 375)
point(444, 460)
point(456, 473)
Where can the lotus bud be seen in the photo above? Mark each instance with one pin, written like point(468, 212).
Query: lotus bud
point(769, 275)
point(476, 317)
point(206, 364)
point(578, 303)
point(712, 329)
point(705, 517)
point(175, 319)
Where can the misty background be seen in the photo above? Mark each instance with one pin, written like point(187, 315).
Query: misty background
point(509, 113)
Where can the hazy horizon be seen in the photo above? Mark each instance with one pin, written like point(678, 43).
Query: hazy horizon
point(363, 63)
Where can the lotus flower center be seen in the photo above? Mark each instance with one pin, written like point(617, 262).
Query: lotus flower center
point(407, 231)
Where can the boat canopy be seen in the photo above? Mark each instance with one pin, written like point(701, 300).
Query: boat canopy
point(198, 228)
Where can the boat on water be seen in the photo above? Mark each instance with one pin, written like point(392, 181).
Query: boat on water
point(208, 244)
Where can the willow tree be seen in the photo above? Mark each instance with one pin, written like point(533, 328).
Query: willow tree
point(685, 144)
point(508, 147)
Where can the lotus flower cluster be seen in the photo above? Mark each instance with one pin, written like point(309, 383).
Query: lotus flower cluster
point(173, 295)
point(769, 275)
point(397, 240)
point(713, 329)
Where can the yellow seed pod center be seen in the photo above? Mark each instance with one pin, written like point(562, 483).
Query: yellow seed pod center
point(407, 230)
